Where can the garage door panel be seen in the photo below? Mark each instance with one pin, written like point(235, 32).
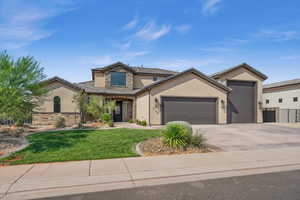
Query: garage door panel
point(192, 110)
point(241, 102)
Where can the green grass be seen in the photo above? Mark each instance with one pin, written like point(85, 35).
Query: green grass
point(80, 145)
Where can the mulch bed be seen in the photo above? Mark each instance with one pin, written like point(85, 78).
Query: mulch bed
point(155, 146)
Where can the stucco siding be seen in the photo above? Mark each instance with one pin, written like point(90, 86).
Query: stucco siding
point(141, 81)
point(99, 79)
point(66, 96)
point(188, 85)
point(287, 99)
point(142, 107)
point(243, 74)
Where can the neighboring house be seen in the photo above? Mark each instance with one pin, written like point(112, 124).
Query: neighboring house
point(281, 101)
point(159, 96)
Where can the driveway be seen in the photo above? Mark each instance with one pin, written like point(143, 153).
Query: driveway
point(251, 136)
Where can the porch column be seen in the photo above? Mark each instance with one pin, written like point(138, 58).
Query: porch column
point(134, 109)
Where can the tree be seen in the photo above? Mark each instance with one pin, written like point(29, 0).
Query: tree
point(98, 106)
point(81, 100)
point(95, 107)
point(21, 87)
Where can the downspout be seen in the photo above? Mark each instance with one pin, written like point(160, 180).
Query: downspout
point(149, 122)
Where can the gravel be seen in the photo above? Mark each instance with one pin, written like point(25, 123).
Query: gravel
point(155, 146)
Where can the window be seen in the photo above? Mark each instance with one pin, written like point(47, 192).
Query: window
point(56, 104)
point(267, 101)
point(295, 99)
point(155, 78)
point(280, 100)
point(118, 79)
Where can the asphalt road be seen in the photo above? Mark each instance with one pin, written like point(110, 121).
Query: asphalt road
point(273, 186)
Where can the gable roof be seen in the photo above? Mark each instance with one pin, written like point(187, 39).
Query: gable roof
point(136, 70)
point(191, 70)
point(282, 83)
point(243, 65)
point(62, 81)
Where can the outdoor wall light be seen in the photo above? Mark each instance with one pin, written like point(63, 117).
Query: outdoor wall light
point(260, 105)
point(223, 104)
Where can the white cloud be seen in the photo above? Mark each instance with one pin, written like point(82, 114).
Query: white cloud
point(290, 57)
point(182, 64)
point(151, 31)
point(133, 54)
point(183, 29)
point(23, 23)
point(131, 24)
point(98, 60)
point(125, 45)
point(278, 35)
point(210, 6)
point(216, 49)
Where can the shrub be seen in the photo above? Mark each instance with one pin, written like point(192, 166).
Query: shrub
point(185, 124)
point(176, 135)
point(198, 140)
point(60, 122)
point(130, 121)
point(106, 117)
point(110, 123)
point(143, 123)
point(137, 122)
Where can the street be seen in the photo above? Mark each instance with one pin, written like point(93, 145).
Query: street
point(272, 186)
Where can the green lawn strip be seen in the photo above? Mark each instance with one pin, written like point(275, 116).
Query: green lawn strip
point(81, 145)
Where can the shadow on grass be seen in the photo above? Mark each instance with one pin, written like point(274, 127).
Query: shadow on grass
point(53, 141)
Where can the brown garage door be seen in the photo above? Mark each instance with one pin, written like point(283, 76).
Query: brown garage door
point(192, 110)
point(241, 102)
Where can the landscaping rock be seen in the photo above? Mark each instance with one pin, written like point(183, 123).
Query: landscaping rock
point(155, 146)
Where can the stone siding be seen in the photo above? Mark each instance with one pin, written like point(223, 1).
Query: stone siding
point(129, 79)
point(50, 118)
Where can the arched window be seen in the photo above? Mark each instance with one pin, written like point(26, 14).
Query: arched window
point(56, 104)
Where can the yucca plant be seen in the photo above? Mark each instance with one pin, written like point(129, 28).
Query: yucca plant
point(176, 135)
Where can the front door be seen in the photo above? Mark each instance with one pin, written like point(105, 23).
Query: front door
point(118, 112)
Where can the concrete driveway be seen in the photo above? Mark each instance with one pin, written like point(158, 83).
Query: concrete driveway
point(251, 136)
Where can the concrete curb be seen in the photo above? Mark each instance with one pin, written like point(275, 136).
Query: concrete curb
point(138, 149)
point(23, 146)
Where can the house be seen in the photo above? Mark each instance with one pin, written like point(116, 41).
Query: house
point(159, 96)
point(281, 101)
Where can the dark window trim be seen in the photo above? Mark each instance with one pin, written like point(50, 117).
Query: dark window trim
point(118, 85)
point(57, 104)
point(295, 99)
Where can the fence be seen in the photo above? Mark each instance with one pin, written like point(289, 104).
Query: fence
point(11, 122)
point(289, 115)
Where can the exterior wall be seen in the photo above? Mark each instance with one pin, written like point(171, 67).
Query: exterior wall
point(66, 96)
point(242, 74)
point(50, 118)
point(141, 81)
point(44, 115)
point(188, 85)
point(129, 78)
point(287, 94)
point(99, 79)
point(142, 107)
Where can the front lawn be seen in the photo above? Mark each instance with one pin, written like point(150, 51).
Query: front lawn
point(80, 145)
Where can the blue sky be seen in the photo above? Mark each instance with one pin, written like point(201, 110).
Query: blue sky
point(69, 37)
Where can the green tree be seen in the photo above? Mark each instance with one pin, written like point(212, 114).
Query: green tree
point(21, 87)
point(81, 101)
point(95, 107)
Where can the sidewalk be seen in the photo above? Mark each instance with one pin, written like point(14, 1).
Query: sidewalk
point(56, 179)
